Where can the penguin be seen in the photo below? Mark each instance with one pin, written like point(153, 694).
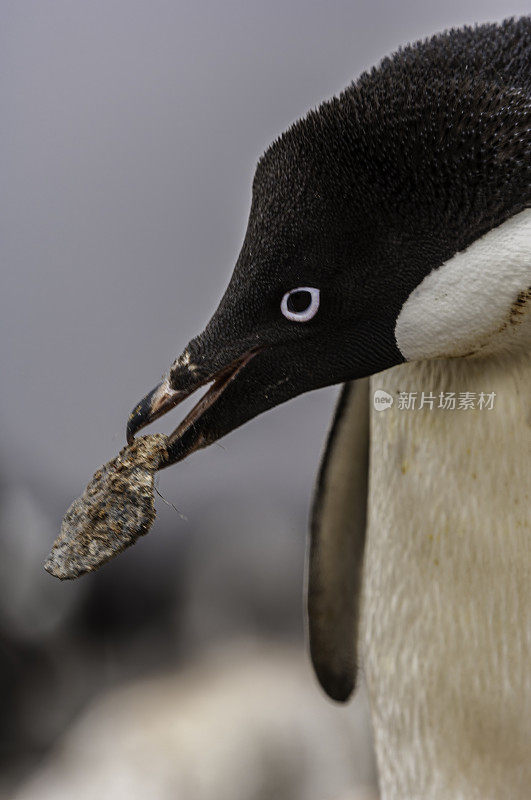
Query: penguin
point(388, 249)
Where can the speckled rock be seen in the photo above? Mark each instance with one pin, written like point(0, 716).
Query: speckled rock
point(114, 510)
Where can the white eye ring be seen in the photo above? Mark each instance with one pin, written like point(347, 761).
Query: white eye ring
point(309, 312)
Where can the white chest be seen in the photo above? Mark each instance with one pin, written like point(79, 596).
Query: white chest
point(447, 585)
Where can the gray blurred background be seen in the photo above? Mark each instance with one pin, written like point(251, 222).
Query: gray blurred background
point(129, 134)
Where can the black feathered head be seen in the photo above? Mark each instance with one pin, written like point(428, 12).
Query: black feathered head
point(352, 208)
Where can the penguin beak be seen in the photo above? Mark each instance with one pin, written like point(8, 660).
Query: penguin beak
point(163, 398)
point(247, 379)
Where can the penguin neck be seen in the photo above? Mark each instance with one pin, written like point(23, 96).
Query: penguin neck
point(446, 619)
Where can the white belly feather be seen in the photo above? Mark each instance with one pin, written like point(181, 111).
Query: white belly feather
point(446, 629)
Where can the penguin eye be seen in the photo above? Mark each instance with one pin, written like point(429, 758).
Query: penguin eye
point(301, 304)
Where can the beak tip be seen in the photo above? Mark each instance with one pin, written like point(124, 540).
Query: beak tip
point(130, 432)
point(160, 400)
point(133, 423)
point(141, 415)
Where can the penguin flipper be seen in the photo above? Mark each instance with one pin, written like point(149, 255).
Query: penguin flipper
point(337, 539)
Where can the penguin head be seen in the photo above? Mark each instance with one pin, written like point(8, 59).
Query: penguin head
point(298, 313)
point(353, 209)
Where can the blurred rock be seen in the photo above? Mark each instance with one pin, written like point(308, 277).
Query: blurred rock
point(244, 723)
